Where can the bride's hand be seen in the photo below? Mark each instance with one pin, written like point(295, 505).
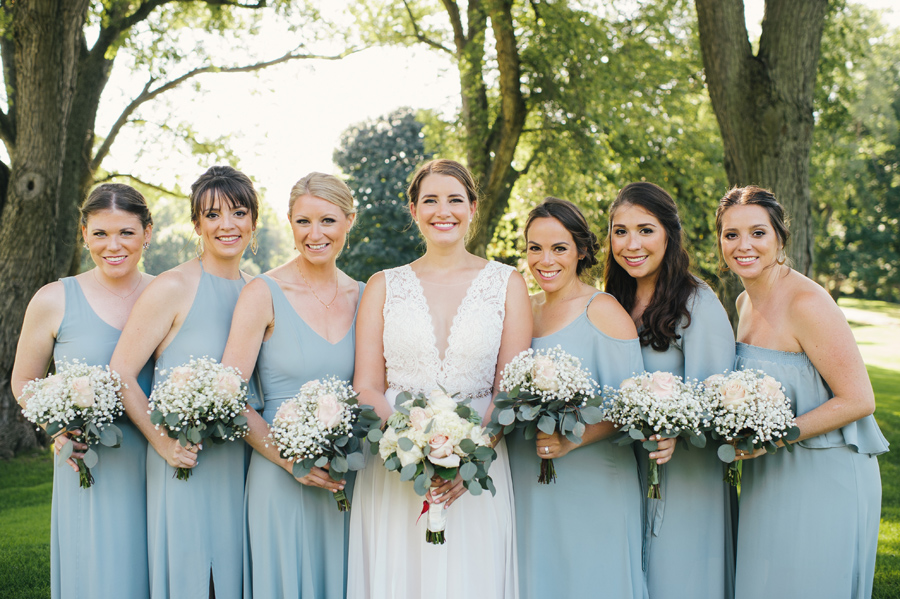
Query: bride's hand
point(446, 491)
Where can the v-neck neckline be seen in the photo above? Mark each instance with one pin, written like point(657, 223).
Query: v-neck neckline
point(442, 360)
point(309, 326)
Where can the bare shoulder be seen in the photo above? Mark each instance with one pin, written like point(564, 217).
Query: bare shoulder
point(810, 306)
point(48, 305)
point(608, 315)
point(375, 290)
point(256, 290)
point(516, 284)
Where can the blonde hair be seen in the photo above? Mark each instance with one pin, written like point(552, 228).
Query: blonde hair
point(326, 187)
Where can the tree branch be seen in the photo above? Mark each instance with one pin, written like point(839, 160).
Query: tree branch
point(112, 176)
point(418, 34)
point(149, 92)
point(459, 37)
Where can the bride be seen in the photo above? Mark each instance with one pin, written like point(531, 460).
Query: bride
point(451, 319)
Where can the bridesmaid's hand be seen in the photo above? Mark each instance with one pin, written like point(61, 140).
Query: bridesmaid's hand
point(553, 446)
point(319, 477)
point(177, 456)
point(740, 454)
point(78, 449)
point(664, 449)
point(446, 491)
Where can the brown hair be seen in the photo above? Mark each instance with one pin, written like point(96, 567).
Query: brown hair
point(753, 196)
point(226, 183)
point(674, 285)
point(442, 166)
point(116, 196)
point(570, 217)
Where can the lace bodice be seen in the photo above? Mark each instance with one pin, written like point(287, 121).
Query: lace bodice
point(410, 352)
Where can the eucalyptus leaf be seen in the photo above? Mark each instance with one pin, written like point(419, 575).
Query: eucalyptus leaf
point(467, 471)
point(108, 437)
point(636, 434)
point(408, 471)
point(726, 453)
point(698, 441)
point(66, 451)
point(156, 419)
point(591, 414)
point(91, 458)
point(172, 419)
point(793, 434)
point(531, 430)
point(578, 429)
point(547, 424)
point(405, 443)
point(339, 464)
point(194, 435)
point(240, 420)
point(507, 417)
point(420, 486)
point(474, 487)
point(299, 470)
point(356, 461)
point(374, 435)
point(468, 445)
point(321, 461)
point(484, 453)
point(651, 445)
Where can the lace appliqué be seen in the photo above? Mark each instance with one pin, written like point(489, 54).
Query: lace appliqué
point(410, 353)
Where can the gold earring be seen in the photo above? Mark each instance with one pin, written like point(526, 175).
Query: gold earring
point(198, 250)
point(781, 258)
point(254, 242)
point(146, 246)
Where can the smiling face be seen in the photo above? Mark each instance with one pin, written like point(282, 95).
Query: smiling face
point(552, 254)
point(638, 241)
point(442, 210)
point(320, 228)
point(224, 227)
point(115, 239)
point(748, 241)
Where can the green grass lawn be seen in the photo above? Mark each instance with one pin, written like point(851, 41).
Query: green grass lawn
point(25, 483)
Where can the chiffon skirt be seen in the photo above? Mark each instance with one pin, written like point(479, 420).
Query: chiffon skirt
point(808, 524)
point(390, 559)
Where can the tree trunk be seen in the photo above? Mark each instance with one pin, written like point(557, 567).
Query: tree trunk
point(33, 251)
point(764, 103)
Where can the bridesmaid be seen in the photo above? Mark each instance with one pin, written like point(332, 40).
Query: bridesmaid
point(98, 536)
point(684, 330)
point(582, 533)
point(195, 527)
point(297, 544)
point(826, 494)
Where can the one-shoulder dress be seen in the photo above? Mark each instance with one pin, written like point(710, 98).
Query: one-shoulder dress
point(689, 533)
point(389, 557)
point(297, 537)
point(195, 527)
point(809, 518)
point(581, 536)
point(98, 536)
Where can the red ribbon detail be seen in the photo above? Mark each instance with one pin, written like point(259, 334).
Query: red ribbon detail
point(424, 511)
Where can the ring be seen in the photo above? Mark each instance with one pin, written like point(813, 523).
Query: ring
point(546, 450)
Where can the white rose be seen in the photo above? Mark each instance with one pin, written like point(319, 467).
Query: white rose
point(83, 391)
point(388, 443)
point(544, 374)
point(412, 456)
point(441, 402)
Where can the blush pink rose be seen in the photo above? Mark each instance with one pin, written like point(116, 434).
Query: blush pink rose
point(628, 383)
point(228, 383)
point(53, 385)
point(713, 381)
point(330, 411)
point(83, 391)
point(442, 451)
point(419, 417)
point(771, 388)
point(662, 384)
point(180, 376)
point(544, 374)
point(733, 392)
point(288, 411)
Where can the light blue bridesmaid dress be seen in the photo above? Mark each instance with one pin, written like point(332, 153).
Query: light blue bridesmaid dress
point(98, 536)
point(581, 536)
point(809, 519)
point(195, 527)
point(297, 537)
point(689, 533)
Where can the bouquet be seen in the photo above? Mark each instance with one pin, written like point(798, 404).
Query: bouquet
point(658, 403)
point(200, 400)
point(78, 397)
point(751, 412)
point(322, 424)
point(435, 436)
point(546, 390)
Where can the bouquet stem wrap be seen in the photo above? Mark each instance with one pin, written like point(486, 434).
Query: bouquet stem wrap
point(342, 502)
point(653, 491)
point(436, 523)
point(548, 472)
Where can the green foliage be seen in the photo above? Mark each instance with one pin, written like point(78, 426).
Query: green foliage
point(855, 171)
point(378, 157)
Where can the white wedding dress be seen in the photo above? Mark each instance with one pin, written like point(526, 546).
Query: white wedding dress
point(388, 555)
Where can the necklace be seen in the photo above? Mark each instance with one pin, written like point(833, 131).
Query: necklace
point(315, 295)
point(122, 297)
